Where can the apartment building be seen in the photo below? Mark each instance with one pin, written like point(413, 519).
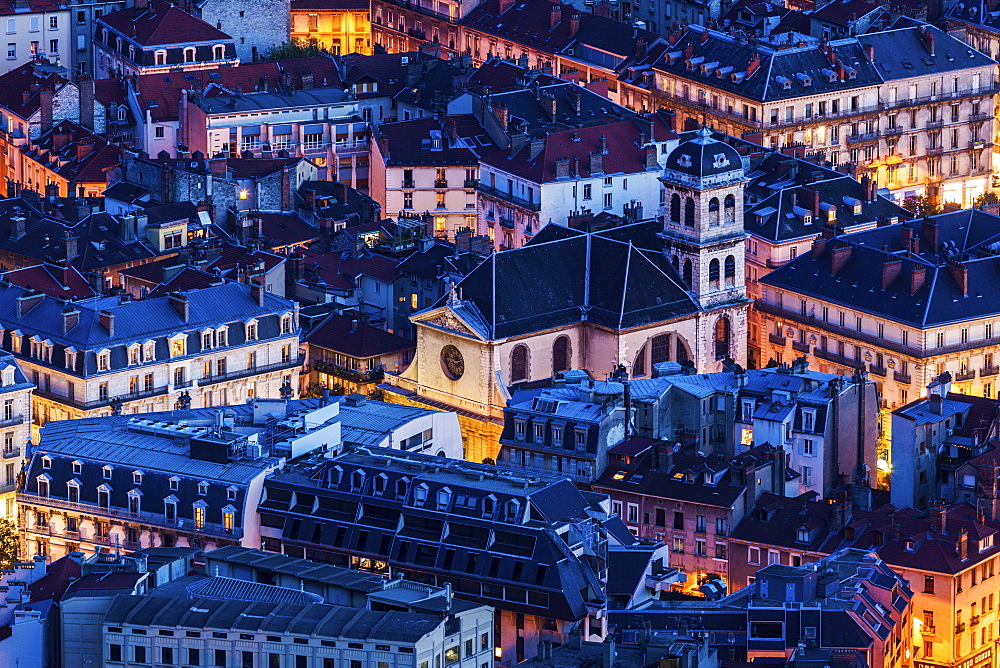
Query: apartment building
point(67, 160)
point(940, 442)
point(36, 29)
point(217, 345)
point(789, 203)
point(155, 37)
point(535, 548)
point(15, 428)
point(83, 15)
point(909, 107)
point(424, 166)
point(905, 302)
point(340, 27)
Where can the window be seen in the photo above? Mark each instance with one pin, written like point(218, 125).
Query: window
point(53, 46)
point(251, 330)
point(114, 652)
point(753, 555)
point(103, 360)
point(928, 584)
point(586, 186)
point(519, 363)
point(194, 656)
point(608, 200)
point(11, 51)
point(809, 447)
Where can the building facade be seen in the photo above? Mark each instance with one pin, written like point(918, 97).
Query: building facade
point(15, 427)
point(340, 27)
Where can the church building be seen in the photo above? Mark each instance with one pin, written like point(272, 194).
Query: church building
point(637, 295)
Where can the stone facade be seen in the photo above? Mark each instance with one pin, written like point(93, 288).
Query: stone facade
point(256, 25)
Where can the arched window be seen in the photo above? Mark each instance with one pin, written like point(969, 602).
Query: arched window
point(682, 351)
point(189, 55)
point(519, 364)
point(560, 354)
point(730, 274)
point(675, 208)
point(160, 57)
point(722, 335)
point(677, 263)
point(689, 212)
point(688, 274)
point(729, 207)
point(639, 367)
point(713, 212)
point(218, 52)
point(660, 349)
point(713, 274)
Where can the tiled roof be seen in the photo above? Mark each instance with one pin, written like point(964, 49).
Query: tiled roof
point(624, 155)
point(255, 168)
point(62, 281)
point(162, 24)
point(356, 339)
point(286, 229)
point(58, 576)
point(844, 12)
point(84, 158)
point(20, 88)
point(409, 143)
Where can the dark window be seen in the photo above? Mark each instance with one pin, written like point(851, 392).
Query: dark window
point(730, 271)
point(688, 274)
point(675, 208)
point(689, 212)
point(722, 337)
point(519, 363)
point(713, 274)
point(661, 349)
point(678, 519)
point(560, 354)
point(114, 652)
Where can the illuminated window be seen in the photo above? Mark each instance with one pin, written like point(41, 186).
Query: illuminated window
point(177, 347)
point(199, 516)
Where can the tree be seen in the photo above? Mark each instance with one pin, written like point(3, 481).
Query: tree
point(10, 543)
point(921, 205)
point(294, 48)
point(986, 199)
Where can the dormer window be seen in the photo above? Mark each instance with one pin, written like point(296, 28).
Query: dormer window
point(136, 477)
point(520, 428)
point(46, 462)
point(218, 52)
point(250, 329)
point(286, 323)
point(174, 483)
point(802, 535)
point(160, 57)
point(420, 495)
point(77, 466)
point(231, 493)
point(443, 498)
point(985, 543)
point(202, 488)
point(513, 511)
point(8, 376)
point(380, 482)
point(221, 337)
point(148, 351)
point(357, 481)
point(910, 546)
point(43, 485)
point(808, 419)
point(178, 345)
point(489, 506)
point(402, 487)
point(103, 360)
point(206, 339)
point(133, 354)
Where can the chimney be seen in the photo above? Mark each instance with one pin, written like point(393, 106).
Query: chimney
point(107, 320)
point(651, 157)
point(536, 146)
point(891, 269)
point(87, 95)
point(870, 53)
point(555, 15)
point(917, 277)
point(84, 148)
point(548, 103)
point(960, 273)
point(574, 23)
point(70, 244)
point(596, 163)
point(19, 227)
point(576, 637)
point(286, 189)
point(640, 48)
point(71, 317)
point(573, 97)
point(963, 545)
point(905, 235)
point(28, 301)
point(927, 37)
point(936, 403)
point(602, 145)
point(257, 292)
point(501, 114)
point(180, 304)
point(811, 201)
point(939, 518)
point(819, 245)
point(45, 108)
point(562, 168)
point(839, 257)
point(753, 66)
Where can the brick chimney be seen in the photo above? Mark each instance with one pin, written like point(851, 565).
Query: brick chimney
point(562, 168)
point(71, 318)
point(596, 163)
point(555, 15)
point(180, 304)
point(257, 292)
point(963, 545)
point(960, 273)
point(839, 257)
point(917, 277)
point(45, 108)
point(929, 228)
point(891, 269)
point(84, 147)
point(107, 320)
point(574, 23)
point(87, 95)
point(819, 245)
point(71, 245)
point(651, 157)
point(28, 301)
point(502, 114)
point(810, 199)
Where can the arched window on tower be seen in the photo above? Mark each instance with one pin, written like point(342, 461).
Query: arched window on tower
point(689, 212)
point(713, 212)
point(660, 349)
point(713, 274)
point(729, 209)
point(721, 338)
point(730, 274)
point(560, 355)
point(675, 208)
point(688, 273)
point(519, 364)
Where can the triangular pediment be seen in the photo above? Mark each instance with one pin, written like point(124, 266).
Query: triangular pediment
point(447, 319)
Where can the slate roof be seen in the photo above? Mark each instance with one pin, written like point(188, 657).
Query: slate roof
point(900, 53)
point(409, 143)
point(550, 284)
point(285, 229)
point(66, 161)
point(524, 107)
point(314, 620)
point(703, 155)
point(438, 259)
point(336, 576)
point(966, 236)
point(232, 589)
point(356, 339)
point(162, 24)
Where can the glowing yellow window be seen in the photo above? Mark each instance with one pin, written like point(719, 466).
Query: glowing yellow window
point(199, 517)
point(177, 347)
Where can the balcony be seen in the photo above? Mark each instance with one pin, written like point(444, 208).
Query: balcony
point(935, 124)
point(440, 183)
point(967, 375)
point(351, 375)
point(102, 401)
point(509, 197)
point(977, 143)
point(776, 339)
point(902, 378)
point(928, 629)
point(837, 358)
point(12, 422)
point(407, 184)
point(974, 620)
point(989, 371)
point(186, 525)
point(860, 139)
point(773, 264)
point(507, 221)
point(12, 453)
point(889, 132)
point(800, 347)
point(471, 183)
point(253, 371)
point(979, 117)
point(877, 370)
point(960, 627)
point(935, 150)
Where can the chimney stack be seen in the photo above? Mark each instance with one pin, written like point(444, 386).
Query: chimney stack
point(45, 109)
point(28, 301)
point(555, 15)
point(930, 231)
point(107, 320)
point(87, 96)
point(574, 23)
point(71, 318)
point(71, 245)
point(839, 257)
point(960, 273)
point(891, 269)
point(963, 545)
point(257, 291)
point(179, 302)
point(917, 277)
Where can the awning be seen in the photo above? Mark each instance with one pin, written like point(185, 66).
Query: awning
point(281, 130)
point(250, 130)
point(314, 129)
